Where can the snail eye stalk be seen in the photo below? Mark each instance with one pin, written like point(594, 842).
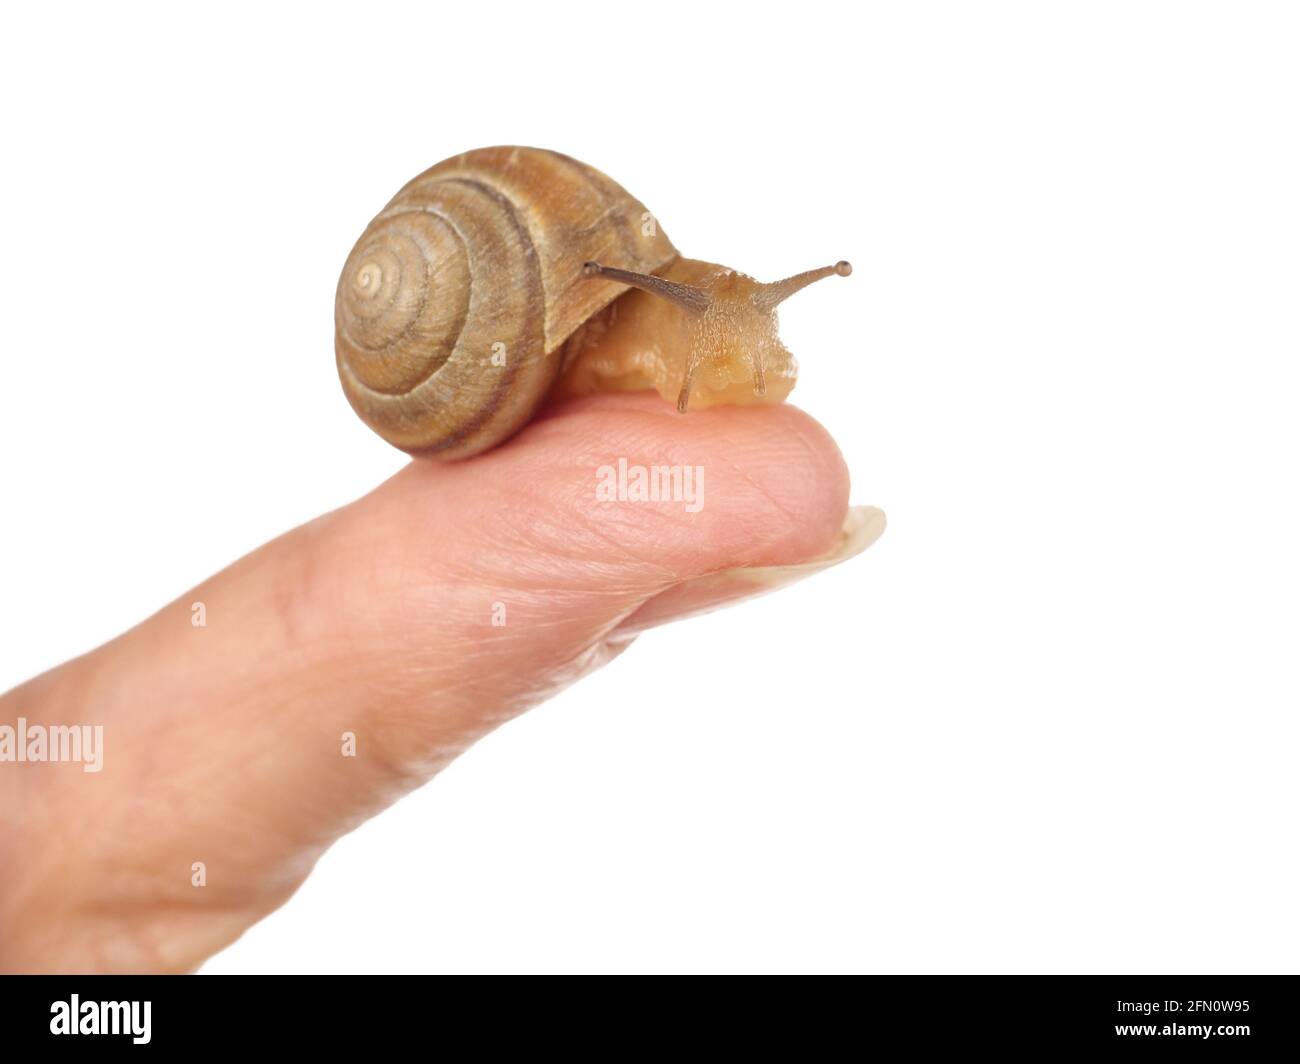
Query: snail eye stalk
point(770, 296)
point(686, 296)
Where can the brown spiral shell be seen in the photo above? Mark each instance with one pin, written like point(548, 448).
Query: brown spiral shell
point(454, 305)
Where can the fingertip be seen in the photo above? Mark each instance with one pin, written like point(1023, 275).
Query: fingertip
point(773, 486)
point(617, 493)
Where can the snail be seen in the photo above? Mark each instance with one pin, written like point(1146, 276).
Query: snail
point(504, 275)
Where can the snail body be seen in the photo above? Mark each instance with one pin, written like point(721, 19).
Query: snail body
point(503, 274)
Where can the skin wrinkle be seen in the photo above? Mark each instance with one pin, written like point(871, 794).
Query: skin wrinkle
point(555, 541)
point(502, 536)
point(759, 489)
point(766, 542)
point(674, 457)
point(801, 431)
point(622, 557)
point(576, 507)
point(527, 607)
point(828, 461)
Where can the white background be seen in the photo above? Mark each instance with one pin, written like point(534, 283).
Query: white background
point(1048, 723)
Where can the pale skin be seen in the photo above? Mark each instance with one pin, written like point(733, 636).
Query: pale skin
point(223, 743)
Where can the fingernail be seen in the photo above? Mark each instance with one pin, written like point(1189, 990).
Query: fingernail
point(863, 525)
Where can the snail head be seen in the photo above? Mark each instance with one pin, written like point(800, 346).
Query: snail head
point(733, 316)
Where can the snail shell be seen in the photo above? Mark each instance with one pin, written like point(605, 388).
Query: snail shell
point(453, 309)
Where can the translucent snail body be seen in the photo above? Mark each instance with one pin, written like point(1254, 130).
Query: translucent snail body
point(504, 274)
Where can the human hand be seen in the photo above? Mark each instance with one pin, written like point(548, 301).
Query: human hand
point(224, 743)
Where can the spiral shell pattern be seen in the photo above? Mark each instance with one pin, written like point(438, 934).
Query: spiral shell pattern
point(453, 308)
